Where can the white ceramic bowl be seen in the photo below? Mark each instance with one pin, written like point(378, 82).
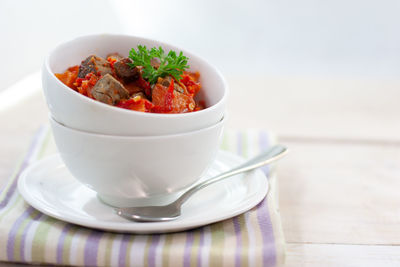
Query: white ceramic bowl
point(82, 113)
point(129, 171)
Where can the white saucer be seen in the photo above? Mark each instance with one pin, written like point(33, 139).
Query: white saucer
point(50, 188)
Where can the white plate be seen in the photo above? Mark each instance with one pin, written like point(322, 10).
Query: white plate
point(49, 187)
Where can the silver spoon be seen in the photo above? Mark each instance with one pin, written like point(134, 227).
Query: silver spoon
point(173, 210)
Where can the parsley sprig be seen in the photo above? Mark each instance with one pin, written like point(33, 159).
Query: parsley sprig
point(170, 64)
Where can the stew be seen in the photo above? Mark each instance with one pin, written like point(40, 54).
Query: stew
point(147, 81)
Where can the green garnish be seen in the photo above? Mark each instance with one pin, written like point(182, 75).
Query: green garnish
point(170, 64)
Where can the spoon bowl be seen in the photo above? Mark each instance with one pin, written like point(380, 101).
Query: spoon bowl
point(151, 213)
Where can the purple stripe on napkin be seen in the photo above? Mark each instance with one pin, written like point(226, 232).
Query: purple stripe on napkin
point(152, 250)
point(60, 244)
point(236, 226)
point(201, 244)
point(264, 219)
point(22, 247)
point(13, 233)
point(123, 249)
point(91, 248)
point(188, 248)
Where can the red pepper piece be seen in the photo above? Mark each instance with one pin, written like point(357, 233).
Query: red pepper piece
point(145, 85)
point(112, 61)
point(192, 86)
point(169, 96)
point(141, 104)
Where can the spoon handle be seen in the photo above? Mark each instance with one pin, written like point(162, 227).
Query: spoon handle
point(274, 153)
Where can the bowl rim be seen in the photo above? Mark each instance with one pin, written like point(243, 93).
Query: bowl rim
point(53, 121)
point(144, 114)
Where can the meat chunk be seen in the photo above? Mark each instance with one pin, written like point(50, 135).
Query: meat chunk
point(125, 72)
point(115, 56)
point(94, 64)
point(109, 90)
point(133, 88)
point(179, 103)
point(167, 81)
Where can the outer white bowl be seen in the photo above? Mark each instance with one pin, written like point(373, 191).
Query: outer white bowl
point(129, 171)
point(80, 112)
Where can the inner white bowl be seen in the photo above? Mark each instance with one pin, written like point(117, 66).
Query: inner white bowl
point(80, 112)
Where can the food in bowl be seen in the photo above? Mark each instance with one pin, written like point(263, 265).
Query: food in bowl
point(149, 80)
point(80, 112)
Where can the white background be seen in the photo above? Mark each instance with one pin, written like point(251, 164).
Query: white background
point(332, 38)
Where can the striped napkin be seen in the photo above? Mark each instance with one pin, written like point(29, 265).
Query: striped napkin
point(252, 239)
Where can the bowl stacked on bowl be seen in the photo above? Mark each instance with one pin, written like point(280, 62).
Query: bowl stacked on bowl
point(129, 157)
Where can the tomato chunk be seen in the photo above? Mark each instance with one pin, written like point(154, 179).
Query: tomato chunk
point(69, 76)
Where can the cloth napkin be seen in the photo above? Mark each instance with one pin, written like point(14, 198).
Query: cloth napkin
point(254, 238)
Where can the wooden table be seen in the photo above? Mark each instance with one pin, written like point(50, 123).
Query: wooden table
point(339, 187)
